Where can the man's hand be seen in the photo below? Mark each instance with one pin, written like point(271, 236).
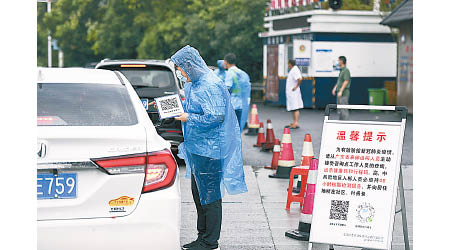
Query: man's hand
point(294, 88)
point(339, 94)
point(334, 90)
point(183, 117)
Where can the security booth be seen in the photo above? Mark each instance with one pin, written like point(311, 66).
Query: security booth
point(401, 18)
point(315, 39)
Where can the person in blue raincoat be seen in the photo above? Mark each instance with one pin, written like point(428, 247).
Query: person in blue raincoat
point(212, 147)
point(222, 73)
point(240, 89)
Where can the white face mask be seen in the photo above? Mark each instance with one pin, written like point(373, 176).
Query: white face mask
point(181, 77)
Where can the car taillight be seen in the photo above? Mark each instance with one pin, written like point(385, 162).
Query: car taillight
point(174, 131)
point(123, 164)
point(160, 171)
point(50, 120)
point(159, 168)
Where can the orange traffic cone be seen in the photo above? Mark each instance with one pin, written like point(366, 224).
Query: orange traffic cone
point(307, 155)
point(270, 137)
point(304, 226)
point(260, 140)
point(275, 156)
point(286, 161)
point(253, 125)
point(308, 152)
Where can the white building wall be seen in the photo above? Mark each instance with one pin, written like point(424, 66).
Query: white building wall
point(364, 59)
point(265, 61)
point(281, 60)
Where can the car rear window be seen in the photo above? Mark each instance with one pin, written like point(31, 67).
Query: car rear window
point(148, 77)
point(80, 104)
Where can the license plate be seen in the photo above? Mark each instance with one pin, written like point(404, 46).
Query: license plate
point(61, 186)
point(145, 103)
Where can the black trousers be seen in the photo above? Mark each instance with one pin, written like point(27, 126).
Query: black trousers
point(238, 115)
point(209, 219)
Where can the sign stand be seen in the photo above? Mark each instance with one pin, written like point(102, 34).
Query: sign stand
point(403, 210)
point(394, 129)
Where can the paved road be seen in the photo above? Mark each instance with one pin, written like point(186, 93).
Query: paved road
point(273, 196)
point(311, 121)
point(257, 219)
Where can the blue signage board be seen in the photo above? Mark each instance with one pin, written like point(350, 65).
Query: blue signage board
point(302, 61)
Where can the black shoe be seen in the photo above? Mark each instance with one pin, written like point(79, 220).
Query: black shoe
point(190, 245)
point(201, 246)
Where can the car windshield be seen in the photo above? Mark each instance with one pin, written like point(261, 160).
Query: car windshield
point(80, 104)
point(150, 78)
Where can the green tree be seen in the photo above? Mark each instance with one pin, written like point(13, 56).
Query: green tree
point(357, 5)
point(386, 6)
point(237, 32)
point(42, 33)
point(219, 27)
point(69, 22)
point(165, 31)
point(120, 29)
point(89, 30)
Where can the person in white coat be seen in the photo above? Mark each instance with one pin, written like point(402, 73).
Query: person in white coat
point(294, 100)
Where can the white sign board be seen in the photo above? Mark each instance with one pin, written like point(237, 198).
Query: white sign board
point(324, 60)
point(169, 106)
point(356, 190)
point(364, 59)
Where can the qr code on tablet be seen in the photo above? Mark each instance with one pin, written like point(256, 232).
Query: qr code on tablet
point(169, 104)
point(339, 210)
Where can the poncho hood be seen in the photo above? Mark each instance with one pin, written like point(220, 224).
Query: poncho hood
point(188, 59)
point(221, 65)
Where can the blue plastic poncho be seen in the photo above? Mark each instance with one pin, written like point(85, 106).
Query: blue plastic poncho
point(212, 146)
point(223, 74)
point(220, 71)
point(240, 93)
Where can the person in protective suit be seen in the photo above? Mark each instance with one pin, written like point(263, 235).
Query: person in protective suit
point(212, 147)
point(222, 73)
point(240, 89)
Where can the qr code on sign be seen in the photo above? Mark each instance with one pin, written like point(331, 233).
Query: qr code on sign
point(339, 210)
point(169, 104)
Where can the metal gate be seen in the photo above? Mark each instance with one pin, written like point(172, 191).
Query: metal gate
point(272, 74)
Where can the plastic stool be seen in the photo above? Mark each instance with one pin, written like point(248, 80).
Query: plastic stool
point(303, 172)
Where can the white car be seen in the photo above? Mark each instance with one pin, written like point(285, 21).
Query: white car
point(105, 178)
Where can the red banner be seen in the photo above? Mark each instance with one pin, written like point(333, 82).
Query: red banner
point(281, 4)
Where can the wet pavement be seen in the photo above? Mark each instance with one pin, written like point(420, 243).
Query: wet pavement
point(311, 121)
point(258, 219)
